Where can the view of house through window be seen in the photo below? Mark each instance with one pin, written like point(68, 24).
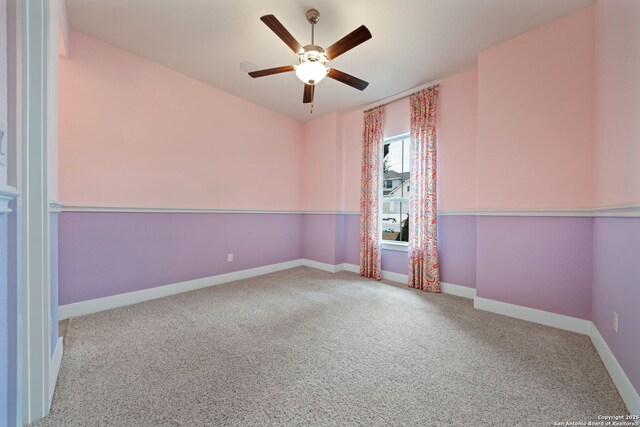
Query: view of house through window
point(395, 190)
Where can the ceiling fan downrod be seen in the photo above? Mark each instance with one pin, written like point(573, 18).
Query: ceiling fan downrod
point(313, 16)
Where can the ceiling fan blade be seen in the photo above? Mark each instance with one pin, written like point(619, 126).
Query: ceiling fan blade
point(275, 25)
point(308, 94)
point(270, 71)
point(347, 79)
point(348, 42)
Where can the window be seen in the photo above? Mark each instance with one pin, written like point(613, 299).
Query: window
point(395, 190)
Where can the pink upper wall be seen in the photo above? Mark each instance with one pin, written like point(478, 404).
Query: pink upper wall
point(352, 141)
point(458, 141)
point(135, 133)
point(536, 115)
point(518, 132)
point(321, 171)
point(618, 72)
point(457, 124)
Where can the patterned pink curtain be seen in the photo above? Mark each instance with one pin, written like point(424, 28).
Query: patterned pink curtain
point(423, 247)
point(369, 193)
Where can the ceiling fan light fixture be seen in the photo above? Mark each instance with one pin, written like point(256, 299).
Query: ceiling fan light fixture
point(311, 72)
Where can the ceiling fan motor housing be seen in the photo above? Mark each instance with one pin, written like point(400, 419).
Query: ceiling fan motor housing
point(313, 53)
point(312, 67)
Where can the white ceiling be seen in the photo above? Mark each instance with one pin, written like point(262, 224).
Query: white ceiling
point(414, 41)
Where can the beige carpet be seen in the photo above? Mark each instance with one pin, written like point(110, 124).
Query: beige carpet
point(307, 348)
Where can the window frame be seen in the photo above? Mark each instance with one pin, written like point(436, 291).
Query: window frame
point(390, 244)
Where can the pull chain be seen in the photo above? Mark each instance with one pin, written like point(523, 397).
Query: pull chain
point(311, 110)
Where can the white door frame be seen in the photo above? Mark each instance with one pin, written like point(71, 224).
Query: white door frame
point(34, 352)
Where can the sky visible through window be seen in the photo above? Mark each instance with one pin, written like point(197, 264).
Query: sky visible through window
point(395, 157)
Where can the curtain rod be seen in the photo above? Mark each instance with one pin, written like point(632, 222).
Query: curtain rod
point(403, 97)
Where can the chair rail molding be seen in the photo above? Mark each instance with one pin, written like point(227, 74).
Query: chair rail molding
point(54, 206)
point(627, 210)
point(79, 207)
point(7, 195)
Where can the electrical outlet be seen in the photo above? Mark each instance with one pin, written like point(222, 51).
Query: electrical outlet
point(615, 321)
point(230, 258)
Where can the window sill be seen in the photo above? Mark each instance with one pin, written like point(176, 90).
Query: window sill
point(394, 246)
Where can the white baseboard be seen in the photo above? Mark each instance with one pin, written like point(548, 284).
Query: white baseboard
point(395, 277)
point(446, 288)
point(100, 304)
point(56, 361)
point(331, 268)
point(350, 267)
point(120, 300)
point(457, 290)
point(620, 379)
point(555, 320)
point(625, 388)
point(386, 275)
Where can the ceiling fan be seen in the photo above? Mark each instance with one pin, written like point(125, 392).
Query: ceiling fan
point(313, 59)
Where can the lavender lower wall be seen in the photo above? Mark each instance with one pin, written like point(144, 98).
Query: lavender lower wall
point(616, 286)
point(335, 238)
point(319, 238)
point(554, 264)
point(53, 253)
point(103, 254)
point(395, 261)
point(351, 239)
point(538, 262)
point(457, 249)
